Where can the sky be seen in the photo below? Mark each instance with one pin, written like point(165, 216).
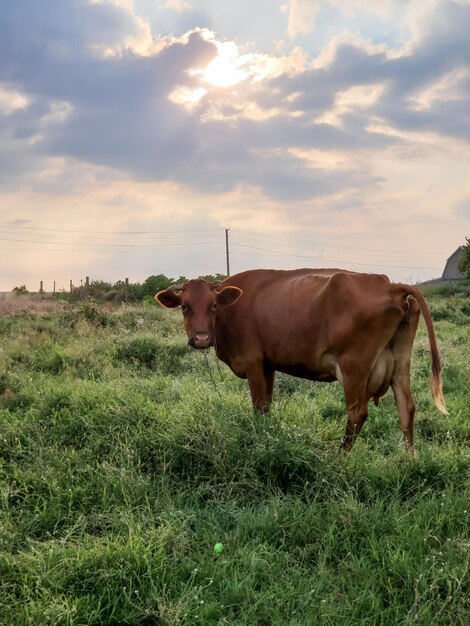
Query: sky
point(319, 133)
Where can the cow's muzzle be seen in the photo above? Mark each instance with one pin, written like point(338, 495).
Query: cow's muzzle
point(201, 340)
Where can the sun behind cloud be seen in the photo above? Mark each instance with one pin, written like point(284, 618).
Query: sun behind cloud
point(228, 68)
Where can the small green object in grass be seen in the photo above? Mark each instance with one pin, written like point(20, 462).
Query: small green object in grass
point(218, 548)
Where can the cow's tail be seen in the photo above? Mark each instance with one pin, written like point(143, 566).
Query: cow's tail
point(436, 368)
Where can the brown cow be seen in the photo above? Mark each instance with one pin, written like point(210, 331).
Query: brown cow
point(319, 324)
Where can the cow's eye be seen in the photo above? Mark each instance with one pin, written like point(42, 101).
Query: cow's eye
point(213, 308)
point(185, 309)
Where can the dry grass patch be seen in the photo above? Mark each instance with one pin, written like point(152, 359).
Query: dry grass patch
point(11, 304)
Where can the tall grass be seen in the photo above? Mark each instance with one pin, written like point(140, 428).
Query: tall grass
point(125, 457)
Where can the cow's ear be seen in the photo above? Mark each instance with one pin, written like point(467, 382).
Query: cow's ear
point(169, 299)
point(228, 295)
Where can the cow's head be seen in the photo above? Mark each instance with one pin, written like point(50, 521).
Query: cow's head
point(199, 300)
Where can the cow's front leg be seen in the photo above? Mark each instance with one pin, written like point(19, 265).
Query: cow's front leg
point(261, 382)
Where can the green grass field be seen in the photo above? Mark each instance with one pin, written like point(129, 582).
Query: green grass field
point(125, 457)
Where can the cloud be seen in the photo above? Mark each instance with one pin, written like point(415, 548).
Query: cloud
point(301, 16)
point(105, 90)
point(177, 5)
point(350, 8)
point(11, 100)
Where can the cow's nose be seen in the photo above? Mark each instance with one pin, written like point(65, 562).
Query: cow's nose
point(201, 339)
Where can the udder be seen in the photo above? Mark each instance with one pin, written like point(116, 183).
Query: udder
point(381, 376)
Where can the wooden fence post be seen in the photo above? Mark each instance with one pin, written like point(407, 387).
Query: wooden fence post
point(126, 289)
point(41, 290)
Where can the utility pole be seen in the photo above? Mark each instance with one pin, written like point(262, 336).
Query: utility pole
point(227, 254)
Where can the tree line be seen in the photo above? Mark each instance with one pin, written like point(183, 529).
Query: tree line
point(122, 290)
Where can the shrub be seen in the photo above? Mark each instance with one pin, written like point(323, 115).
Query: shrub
point(20, 291)
point(151, 353)
point(464, 264)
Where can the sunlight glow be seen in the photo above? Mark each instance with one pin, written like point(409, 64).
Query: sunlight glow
point(228, 68)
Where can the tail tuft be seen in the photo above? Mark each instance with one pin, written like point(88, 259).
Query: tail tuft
point(437, 394)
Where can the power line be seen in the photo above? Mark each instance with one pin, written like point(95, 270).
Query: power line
point(113, 245)
point(192, 238)
point(115, 232)
point(315, 248)
point(285, 242)
point(62, 250)
point(271, 238)
point(112, 238)
point(301, 256)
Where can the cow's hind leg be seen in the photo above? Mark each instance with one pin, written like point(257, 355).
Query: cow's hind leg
point(402, 347)
point(405, 407)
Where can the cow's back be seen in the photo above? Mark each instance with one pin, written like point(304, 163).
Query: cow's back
point(275, 300)
point(293, 318)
